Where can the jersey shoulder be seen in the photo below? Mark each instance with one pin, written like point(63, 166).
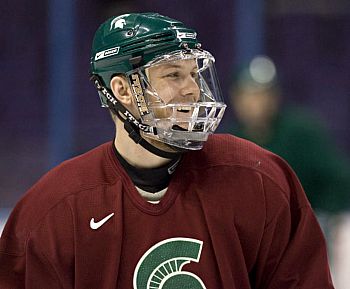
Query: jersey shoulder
point(78, 174)
point(231, 151)
point(90, 169)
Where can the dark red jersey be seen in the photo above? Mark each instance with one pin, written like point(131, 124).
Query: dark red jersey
point(234, 217)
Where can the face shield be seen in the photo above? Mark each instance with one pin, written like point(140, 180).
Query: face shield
point(178, 94)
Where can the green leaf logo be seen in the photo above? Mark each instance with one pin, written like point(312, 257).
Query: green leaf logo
point(161, 266)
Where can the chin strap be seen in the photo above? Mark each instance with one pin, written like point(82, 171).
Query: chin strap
point(131, 124)
point(137, 138)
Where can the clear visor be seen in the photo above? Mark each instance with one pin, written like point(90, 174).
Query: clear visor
point(179, 95)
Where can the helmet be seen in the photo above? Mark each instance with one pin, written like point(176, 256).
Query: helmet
point(135, 45)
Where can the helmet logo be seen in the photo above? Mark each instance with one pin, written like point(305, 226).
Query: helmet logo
point(107, 53)
point(104, 91)
point(188, 35)
point(118, 22)
point(138, 92)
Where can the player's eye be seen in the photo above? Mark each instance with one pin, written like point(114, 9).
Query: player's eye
point(174, 74)
point(194, 74)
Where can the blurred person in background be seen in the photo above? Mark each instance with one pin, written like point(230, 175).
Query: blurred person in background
point(295, 134)
point(292, 133)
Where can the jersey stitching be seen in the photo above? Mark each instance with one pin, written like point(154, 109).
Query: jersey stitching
point(253, 170)
point(52, 269)
point(39, 223)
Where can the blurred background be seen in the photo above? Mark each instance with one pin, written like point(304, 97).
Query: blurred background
point(289, 55)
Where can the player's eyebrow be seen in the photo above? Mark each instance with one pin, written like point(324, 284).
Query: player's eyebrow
point(171, 65)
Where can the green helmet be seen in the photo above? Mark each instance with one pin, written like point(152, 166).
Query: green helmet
point(130, 40)
point(132, 45)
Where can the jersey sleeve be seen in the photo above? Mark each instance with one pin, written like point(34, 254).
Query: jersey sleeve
point(293, 251)
point(30, 259)
point(31, 270)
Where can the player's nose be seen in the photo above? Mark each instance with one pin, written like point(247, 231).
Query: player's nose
point(190, 89)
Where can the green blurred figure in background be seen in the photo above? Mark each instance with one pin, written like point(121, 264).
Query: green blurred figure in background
point(293, 134)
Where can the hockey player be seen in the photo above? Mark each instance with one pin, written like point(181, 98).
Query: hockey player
point(166, 204)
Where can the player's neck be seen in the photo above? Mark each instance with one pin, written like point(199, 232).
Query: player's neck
point(133, 153)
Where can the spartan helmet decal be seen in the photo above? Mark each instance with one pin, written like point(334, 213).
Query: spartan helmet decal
point(118, 22)
point(161, 266)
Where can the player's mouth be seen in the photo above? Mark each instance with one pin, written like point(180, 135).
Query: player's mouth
point(184, 109)
point(182, 112)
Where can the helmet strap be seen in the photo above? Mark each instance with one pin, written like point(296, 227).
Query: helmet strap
point(131, 124)
point(135, 135)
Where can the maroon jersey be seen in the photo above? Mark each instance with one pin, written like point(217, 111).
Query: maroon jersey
point(234, 217)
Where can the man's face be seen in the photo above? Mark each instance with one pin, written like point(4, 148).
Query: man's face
point(176, 82)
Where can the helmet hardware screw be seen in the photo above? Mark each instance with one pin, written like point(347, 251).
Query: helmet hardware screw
point(130, 32)
point(186, 47)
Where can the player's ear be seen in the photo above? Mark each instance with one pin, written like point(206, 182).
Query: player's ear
point(121, 89)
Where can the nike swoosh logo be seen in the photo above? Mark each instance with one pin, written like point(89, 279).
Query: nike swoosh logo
point(95, 225)
point(99, 55)
point(107, 53)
